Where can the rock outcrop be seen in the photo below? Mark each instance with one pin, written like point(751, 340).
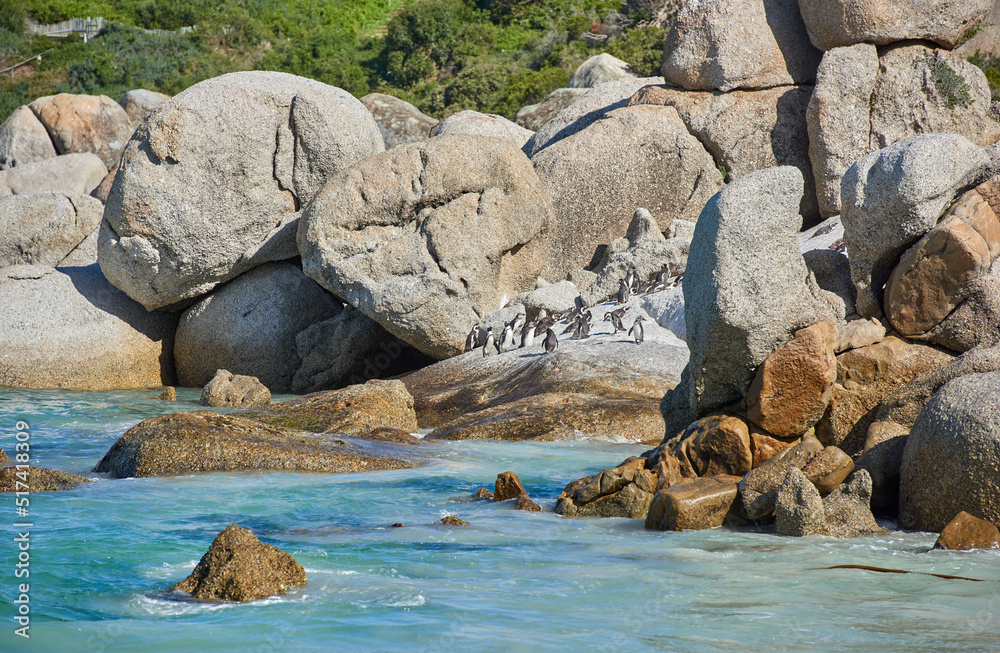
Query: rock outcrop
point(428, 238)
point(952, 454)
point(45, 229)
point(23, 139)
point(722, 45)
point(226, 389)
point(399, 122)
point(355, 410)
point(251, 326)
point(845, 512)
point(38, 479)
point(894, 196)
point(599, 69)
point(837, 23)
point(533, 116)
point(597, 177)
point(85, 123)
point(695, 504)
point(239, 567)
point(211, 184)
point(139, 103)
point(69, 174)
point(203, 441)
point(74, 330)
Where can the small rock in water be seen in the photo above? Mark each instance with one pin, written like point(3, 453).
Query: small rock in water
point(966, 532)
point(525, 503)
point(389, 434)
point(39, 479)
point(398, 525)
point(508, 486)
point(169, 394)
point(452, 520)
point(239, 567)
point(483, 493)
point(228, 389)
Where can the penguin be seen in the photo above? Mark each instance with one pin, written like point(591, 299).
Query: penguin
point(518, 322)
point(551, 342)
point(472, 340)
point(637, 328)
point(488, 343)
point(623, 292)
point(506, 338)
point(528, 335)
point(664, 274)
point(570, 326)
point(616, 321)
point(631, 277)
point(543, 312)
point(582, 329)
point(677, 280)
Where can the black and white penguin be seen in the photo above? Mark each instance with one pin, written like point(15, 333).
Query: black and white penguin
point(631, 277)
point(472, 340)
point(528, 335)
point(518, 322)
point(624, 293)
point(543, 312)
point(488, 343)
point(506, 338)
point(637, 329)
point(582, 329)
point(664, 274)
point(551, 342)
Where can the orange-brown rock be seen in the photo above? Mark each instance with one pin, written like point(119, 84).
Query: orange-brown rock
point(933, 277)
point(525, 503)
point(828, 469)
point(452, 520)
point(239, 567)
point(792, 388)
point(865, 377)
point(483, 493)
point(36, 479)
point(389, 434)
point(85, 123)
point(717, 444)
point(622, 491)
point(763, 445)
point(354, 410)
point(759, 488)
point(695, 504)
point(508, 486)
point(966, 532)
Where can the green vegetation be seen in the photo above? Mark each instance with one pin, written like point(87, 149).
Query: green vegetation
point(949, 84)
point(991, 69)
point(493, 56)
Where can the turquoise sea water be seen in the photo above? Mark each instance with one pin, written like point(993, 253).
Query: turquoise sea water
point(102, 556)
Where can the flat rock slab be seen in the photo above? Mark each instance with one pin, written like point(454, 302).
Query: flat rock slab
point(605, 384)
point(38, 479)
point(203, 441)
point(354, 410)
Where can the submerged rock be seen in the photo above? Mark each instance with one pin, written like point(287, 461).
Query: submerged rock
point(38, 479)
point(203, 441)
point(239, 567)
point(966, 532)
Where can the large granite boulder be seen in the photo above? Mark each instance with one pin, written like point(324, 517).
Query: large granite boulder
point(399, 121)
point(742, 303)
point(239, 567)
point(976, 321)
point(355, 410)
point(71, 329)
point(250, 326)
point(894, 196)
point(139, 103)
point(604, 385)
point(721, 45)
point(644, 248)
point(85, 123)
point(533, 116)
point(865, 100)
point(204, 441)
point(837, 23)
point(935, 275)
point(717, 444)
point(952, 455)
point(45, 229)
point(211, 184)
point(639, 156)
point(593, 105)
point(69, 174)
point(746, 131)
point(473, 123)
point(428, 238)
point(599, 69)
point(23, 139)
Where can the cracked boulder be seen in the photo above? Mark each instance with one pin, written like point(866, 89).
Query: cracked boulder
point(428, 238)
point(631, 157)
point(250, 326)
point(23, 139)
point(45, 229)
point(211, 184)
point(866, 99)
point(746, 130)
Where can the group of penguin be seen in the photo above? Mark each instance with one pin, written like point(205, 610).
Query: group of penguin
point(578, 319)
